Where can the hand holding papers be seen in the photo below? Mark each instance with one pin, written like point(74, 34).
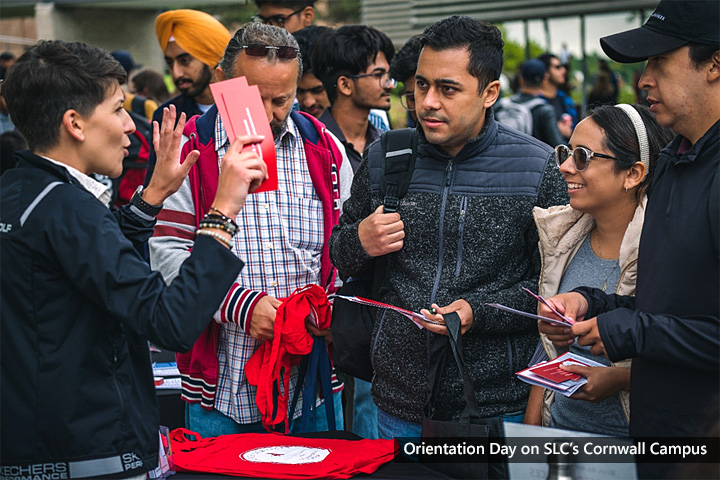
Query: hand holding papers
point(550, 375)
point(540, 299)
point(564, 322)
point(242, 112)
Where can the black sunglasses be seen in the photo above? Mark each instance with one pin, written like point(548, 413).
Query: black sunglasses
point(580, 155)
point(275, 20)
point(257, 50)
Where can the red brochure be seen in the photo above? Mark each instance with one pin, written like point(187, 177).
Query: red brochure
point(241, 109)
point(552, 371)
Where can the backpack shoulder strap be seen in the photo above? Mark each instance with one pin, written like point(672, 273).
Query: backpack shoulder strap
point(399, 151)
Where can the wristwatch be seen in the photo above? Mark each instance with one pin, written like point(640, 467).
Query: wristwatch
point(142, 205)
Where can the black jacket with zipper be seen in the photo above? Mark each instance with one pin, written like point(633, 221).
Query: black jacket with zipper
point(78, 306)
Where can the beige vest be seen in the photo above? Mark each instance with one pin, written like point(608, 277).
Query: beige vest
point(562, 231)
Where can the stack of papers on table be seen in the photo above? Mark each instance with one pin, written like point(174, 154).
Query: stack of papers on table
point(550, 375)
point(167, 375)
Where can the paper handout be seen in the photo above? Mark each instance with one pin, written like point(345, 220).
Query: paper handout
point(241, 108)
point(550, 375)
point(529, 315)
point(417, 318)
point(540, 299)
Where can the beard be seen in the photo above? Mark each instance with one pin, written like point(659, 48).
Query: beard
point(197, 86)
point(278, 127)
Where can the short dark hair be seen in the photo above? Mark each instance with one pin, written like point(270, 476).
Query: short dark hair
point(701, 53)
point(53, 77)
point(483, 40)
point(621, 140)
point(294, 4)
point(307, 38)
point(348, 50)
point(261, 34)
point(546, 57)
point(404, 63)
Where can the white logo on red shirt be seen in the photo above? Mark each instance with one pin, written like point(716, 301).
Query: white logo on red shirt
point(286, 455)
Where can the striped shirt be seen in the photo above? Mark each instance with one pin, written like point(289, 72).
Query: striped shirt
point(280, 239)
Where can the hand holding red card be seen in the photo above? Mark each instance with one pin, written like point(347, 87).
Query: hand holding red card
point(241, 108)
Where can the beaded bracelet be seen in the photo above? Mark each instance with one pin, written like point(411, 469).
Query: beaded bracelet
point(230, 226)
point(224, 226)
point(217, 236)
point(222, 215)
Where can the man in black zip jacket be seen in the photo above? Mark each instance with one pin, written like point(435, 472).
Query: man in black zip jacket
point(671, 329)
point(78, 303)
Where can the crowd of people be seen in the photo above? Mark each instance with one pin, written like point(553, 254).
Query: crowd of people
point(613, 216)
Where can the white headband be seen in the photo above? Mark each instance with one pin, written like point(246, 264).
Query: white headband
point(641, 133)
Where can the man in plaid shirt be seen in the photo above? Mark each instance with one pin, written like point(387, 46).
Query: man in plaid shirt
point(283, 238)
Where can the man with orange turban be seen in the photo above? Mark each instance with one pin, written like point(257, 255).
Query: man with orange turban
point(193, 43)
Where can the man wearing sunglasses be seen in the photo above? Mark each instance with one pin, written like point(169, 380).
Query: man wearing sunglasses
point(671, 328)
point(283, 242)
point(292, 15)
point(353, 64)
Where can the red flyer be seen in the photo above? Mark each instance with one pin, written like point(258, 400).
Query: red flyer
point(241, 109)
point(552, 371)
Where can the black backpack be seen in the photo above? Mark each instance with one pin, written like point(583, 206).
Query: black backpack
point(352, 323)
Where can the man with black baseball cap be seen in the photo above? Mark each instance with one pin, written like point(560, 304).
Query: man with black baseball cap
point(671, 328)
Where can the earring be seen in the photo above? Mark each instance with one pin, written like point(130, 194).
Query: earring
point(626, 189)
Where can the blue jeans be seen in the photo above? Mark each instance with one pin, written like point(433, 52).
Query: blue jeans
point(211, 423)
point(365, 413)
point(391, 427)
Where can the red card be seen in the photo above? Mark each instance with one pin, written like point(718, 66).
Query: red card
point(241, 109)
point(553, 372)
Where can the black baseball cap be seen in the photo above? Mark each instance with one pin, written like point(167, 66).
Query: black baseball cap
point(673, 24)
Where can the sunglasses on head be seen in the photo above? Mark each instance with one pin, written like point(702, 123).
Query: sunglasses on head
point(580, 156)
point(256, 50)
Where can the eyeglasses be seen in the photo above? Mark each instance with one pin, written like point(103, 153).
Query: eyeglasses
point(580, 156)
point(408, 101)
point(257, 50)
point(275, 20)
point(384, 79)
point(315, 90)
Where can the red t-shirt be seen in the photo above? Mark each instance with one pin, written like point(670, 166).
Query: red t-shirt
point(276, 456)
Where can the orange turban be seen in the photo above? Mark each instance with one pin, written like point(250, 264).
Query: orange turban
point(198, 33)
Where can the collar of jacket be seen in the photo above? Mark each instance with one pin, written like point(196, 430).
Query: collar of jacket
point(472, 148)
point(562, 228)
point(707, 141)
point(27, 157)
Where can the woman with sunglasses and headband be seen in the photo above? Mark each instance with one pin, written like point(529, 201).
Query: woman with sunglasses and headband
point(593, 241)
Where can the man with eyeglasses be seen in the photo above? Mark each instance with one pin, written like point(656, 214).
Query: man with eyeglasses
point(283, 242)
point(353, 64)
point(292, 15)
point(402, 69)
point(193, 43)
